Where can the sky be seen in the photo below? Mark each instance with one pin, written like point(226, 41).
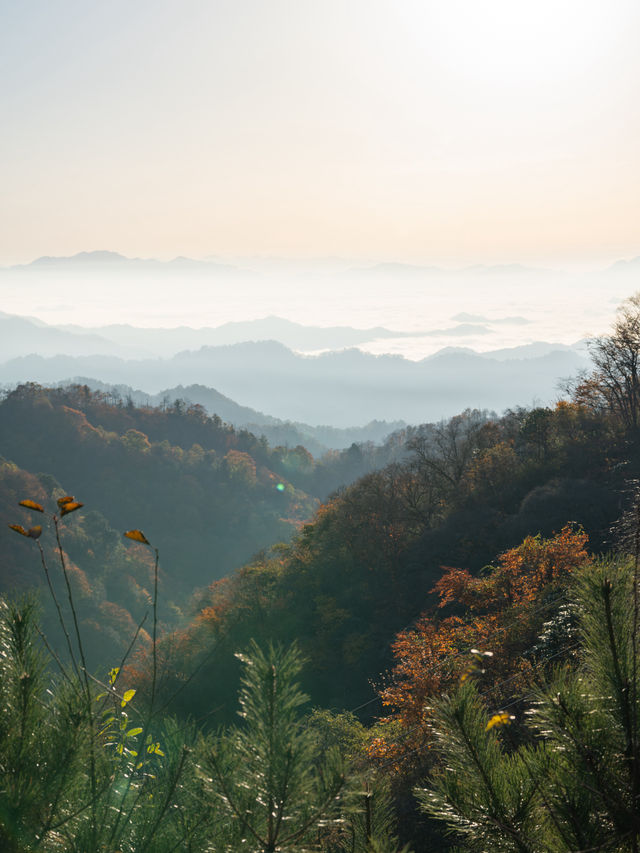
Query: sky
point(434, 131)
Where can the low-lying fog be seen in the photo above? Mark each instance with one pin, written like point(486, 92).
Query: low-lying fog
point(481, 308)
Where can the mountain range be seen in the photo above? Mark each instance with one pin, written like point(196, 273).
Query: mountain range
point(280, 371)
point(342, 389)
point(20, 336)
point(106, 261)
point(109, 260)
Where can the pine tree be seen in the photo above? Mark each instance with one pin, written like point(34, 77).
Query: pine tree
point(275, 787)
point(575, 785)
point(40, 739)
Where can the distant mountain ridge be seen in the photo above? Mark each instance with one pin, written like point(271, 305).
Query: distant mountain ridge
point(113, 259)
point(626, 266)
point(20, 336)
point(25, 335)
point(341, 389)
point(294, 335)
point(107, 260)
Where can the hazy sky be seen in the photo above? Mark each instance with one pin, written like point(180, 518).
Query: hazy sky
point(446, 131)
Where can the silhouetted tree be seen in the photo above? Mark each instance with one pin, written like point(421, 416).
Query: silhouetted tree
point(615, 382)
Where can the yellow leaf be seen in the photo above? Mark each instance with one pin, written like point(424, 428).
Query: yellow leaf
point(137, 536)
point(127, 696)
point(469, 670)
point(499, 719)
point(34, 532)
point(19, 529)
point(72, 506)
point(67, 499)
point(32, 505)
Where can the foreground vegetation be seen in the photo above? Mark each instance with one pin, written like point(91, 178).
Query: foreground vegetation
point(91, 765)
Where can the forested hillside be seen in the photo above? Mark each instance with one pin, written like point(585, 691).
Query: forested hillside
point(211, 494)
point(211, 507)
point(111, 583)
point(316, 439)
point(450, 608)
point(364, 567)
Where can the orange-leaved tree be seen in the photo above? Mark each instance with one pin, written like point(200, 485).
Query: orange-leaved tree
point(498, 614)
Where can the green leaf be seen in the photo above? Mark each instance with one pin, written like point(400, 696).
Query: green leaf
point(134, 732)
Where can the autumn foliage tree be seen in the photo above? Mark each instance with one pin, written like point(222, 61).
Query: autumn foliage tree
point(502, 611)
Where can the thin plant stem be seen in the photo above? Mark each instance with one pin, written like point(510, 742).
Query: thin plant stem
point(155, 629)
point(111, 688)
point(167, 800)
point(92, 757)
point(58, 608)
point(54, 655)
point(150, 715)
point(71, 604)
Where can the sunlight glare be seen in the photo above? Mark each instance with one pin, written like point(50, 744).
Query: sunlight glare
point(512, 43)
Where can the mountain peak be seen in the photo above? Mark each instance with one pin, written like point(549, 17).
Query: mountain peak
point(100, 256)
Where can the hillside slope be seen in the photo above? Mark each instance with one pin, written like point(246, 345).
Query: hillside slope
point(211, 507)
